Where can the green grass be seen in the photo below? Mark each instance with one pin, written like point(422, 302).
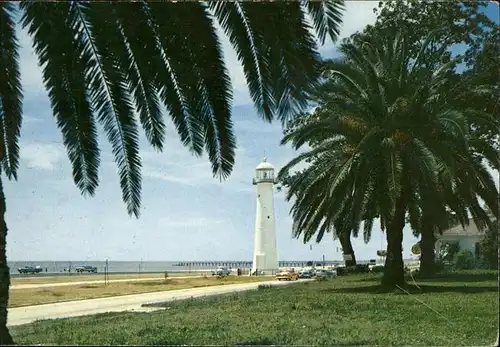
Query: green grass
point(456, 309)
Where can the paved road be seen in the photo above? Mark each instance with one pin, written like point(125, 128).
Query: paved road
point(62, 284)
point(28, 314)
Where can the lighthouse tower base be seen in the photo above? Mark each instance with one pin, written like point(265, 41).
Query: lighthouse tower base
point(260, 267)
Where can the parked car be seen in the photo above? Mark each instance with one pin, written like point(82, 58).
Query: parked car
point(320, 273)
point(86, 268)
point(221, 271)
point(287, 276)
point(30, 270)
point(331, 273)
point(325, 273)
point(306, 274)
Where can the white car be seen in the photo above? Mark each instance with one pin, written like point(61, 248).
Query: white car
point(325, 273)
point(221, 271)
point(320, 273)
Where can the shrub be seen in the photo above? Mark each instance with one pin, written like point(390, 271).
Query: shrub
point(362, 268)
point(448, 250)
point(440, 265)
point(464, 260)
point(488, 249)
point(341, 271)
point(378, 269)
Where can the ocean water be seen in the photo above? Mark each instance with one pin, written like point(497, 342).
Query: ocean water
point(128, 266)
point(113, 266)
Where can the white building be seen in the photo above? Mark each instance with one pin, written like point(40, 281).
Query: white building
point(467, 238)
point(265, 256)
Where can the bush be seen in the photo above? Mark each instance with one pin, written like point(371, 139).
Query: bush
point(378, 269)
point(448, 250)
point(464, 260)
point(488, 249)
point(341, 271)
point(362, 268)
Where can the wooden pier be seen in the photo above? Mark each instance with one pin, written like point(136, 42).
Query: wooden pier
point(248, 264)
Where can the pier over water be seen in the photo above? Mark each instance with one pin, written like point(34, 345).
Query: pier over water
point(248, 264)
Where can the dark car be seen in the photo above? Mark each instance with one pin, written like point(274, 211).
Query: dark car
point(30, 270)
point(86, 268)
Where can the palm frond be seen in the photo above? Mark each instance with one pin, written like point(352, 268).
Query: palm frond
point(11, 96)
point(141, 52)
point(65, 77)
point(214, 84)
point(278, 79)
point(109, 91)
point(326, 17)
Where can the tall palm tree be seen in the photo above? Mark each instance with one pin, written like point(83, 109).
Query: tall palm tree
point(311, 201)
point(388, 116)
point(102, 62)
point(297, 183)
point(468, 180)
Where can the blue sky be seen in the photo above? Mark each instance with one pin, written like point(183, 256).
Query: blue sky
point(186, 213)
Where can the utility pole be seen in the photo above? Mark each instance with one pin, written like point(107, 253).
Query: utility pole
point(323, 261)
point(106, 276)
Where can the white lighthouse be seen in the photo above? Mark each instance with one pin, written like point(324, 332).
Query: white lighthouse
point(265, 257)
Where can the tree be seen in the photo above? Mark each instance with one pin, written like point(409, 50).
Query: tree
point(297, 182)
point(488, 248)
point(104, 61)
point(448, 250)
point(464, 260)
point(451, 23)
point(387, 115)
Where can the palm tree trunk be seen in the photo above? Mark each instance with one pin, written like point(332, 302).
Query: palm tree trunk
point(345, 242)
point(428, 255)
point(394, 267)
point(5, 338)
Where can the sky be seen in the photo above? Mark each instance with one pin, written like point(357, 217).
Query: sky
point(186, 214)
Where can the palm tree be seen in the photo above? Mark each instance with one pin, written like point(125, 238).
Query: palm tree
point(311, 203)
point(102, 62)
point(462, 184)
point(460, 193)
point(389, 119)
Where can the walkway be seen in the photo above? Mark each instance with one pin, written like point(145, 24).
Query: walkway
point(29, 314)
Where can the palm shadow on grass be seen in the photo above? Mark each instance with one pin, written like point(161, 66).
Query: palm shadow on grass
point(444, 277)
point(257, 342)
point(413, 289)
point(461, 277)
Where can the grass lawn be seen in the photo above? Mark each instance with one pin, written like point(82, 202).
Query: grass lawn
point(86, 277)
point(37, 296)
point(456, 309)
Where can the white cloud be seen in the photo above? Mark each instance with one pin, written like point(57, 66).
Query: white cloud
point(41, 156)
point(193, 171)
point(187, 222)
point(357, 15)
point(31, 73)
point(31, 120)
point(252, 125)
